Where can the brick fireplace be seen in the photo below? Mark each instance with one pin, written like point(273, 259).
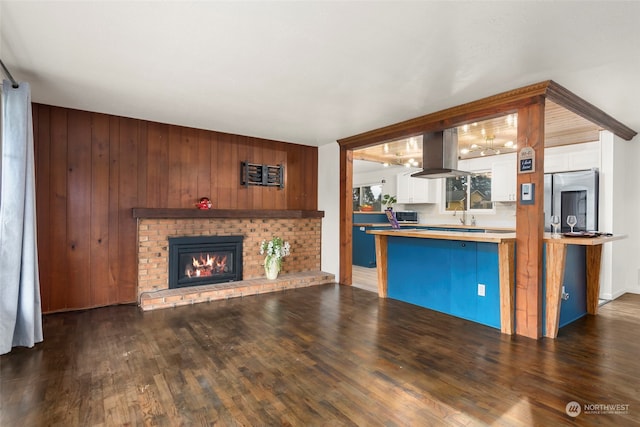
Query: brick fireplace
point(300, 228)
point(204, 260)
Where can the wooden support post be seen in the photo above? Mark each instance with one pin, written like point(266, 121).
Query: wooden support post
point(594, 260)
point(346, 216)
point(530, 225)
point(381, 261)
point(507, 295)
point(556, 257)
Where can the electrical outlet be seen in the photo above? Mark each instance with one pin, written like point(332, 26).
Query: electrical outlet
point(481, 292)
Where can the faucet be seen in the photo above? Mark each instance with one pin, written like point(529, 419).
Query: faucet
point(463, 219)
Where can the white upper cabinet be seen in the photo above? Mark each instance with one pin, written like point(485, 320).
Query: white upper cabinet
point(503, 180)
point(416, 190)
point(572, 157)
point(585, 159)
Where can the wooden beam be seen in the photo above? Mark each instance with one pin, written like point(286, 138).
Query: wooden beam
point(346, 216)
point(530, 226)
point(483, 109)
point(572, 102)
point(486, 108)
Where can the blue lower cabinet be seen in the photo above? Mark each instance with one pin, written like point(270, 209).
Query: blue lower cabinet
point(443, 275)
point(370, 218)
point(488, 274)
point(418, 273)
point(575, 281)
point(446, 276)
point(363, 247)
point(575, 286)
point(463, 296)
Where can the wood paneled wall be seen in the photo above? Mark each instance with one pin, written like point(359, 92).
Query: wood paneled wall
point(92, 169)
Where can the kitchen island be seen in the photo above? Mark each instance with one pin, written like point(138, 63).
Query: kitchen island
point(470, 274)
point(363, 244)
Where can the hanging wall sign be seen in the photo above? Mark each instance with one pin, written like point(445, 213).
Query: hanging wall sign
point(526, 160)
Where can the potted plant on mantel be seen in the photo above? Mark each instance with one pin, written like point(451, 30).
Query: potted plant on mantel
point(388, 200)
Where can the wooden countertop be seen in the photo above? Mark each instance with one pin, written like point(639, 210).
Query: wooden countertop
point(490, 237)
point(383, 224)
point(415, 224)
point(469, 227)
point(469, 236)
point(584, 241)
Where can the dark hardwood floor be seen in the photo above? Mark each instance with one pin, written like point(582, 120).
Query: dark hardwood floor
point(327, 355)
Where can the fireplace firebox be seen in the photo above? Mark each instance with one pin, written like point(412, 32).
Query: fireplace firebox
point(203, 260)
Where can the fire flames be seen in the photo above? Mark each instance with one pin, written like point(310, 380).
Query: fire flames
point(204, 266)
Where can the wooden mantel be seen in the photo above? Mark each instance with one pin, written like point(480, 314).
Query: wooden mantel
point(529, 103)
point(224, 213)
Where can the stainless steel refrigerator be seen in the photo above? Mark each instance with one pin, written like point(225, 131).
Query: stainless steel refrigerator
point(572, 193)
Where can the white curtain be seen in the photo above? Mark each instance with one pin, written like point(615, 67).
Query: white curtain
point(20, 310)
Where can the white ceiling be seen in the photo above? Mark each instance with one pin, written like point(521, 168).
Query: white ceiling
point(313, 72)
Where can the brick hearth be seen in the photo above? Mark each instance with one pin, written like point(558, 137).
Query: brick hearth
point(194, 294)
point(301, 268)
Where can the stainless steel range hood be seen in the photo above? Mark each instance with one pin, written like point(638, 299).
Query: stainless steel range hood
point(440, 155)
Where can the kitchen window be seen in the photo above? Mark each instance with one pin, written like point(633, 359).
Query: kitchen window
point(469, 193)
point(367, 198)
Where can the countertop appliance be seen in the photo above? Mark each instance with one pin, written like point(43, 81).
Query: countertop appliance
point(407, 217)
point(572, 193)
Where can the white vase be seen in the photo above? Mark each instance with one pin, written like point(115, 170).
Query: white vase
point(271, 268)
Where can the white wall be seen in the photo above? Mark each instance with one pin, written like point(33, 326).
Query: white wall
point(608, 179)
point(626, 253)
point(619, 210)
point(329, 202)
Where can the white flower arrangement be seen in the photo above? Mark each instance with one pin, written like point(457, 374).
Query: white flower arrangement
point(275, 249)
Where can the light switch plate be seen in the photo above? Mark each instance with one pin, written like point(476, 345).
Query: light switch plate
point(481, 291)
point(527, 193)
